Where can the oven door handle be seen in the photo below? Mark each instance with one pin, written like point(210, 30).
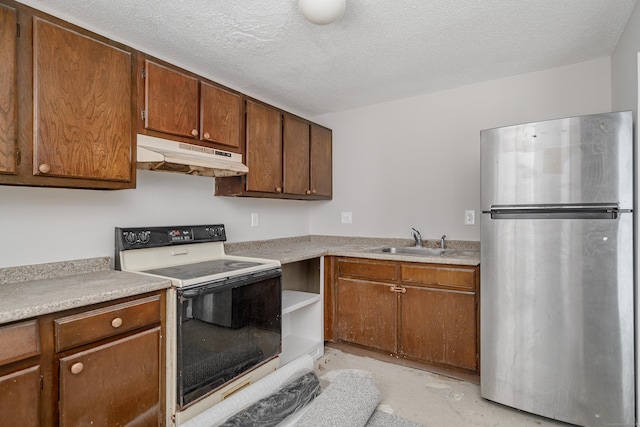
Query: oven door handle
point(229, 283)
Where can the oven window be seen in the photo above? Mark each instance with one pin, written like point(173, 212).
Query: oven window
point(224, 332)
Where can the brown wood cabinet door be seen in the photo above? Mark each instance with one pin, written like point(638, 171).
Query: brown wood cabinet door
point(220, 113)
point(439, 326)
point(115, 384)
point(82, 106)
point(321, 168)
point(367, 314)
point(171, 101)
point(295, 146)
point(8, 90)
point(20, 398)
point(264, 149)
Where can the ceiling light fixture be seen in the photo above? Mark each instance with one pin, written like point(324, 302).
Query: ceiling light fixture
point(322, 12)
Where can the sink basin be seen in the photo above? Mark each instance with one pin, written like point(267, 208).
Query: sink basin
point(412, 250)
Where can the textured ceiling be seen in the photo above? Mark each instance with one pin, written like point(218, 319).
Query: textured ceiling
point(379, 50)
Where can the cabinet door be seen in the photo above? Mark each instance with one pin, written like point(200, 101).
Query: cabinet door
point(321, 168)
point(171, 101)
point(264, 149)
point(439, 326)
point(220, 113)
point(20, 401)
point(295, 146)
point(367, 314)
point(82, 106)
point(113, 384)
point(8, 91)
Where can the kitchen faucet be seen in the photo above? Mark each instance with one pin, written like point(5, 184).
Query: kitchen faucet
point(442, 241)
point(417, 237)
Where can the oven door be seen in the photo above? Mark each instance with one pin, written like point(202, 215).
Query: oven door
point(225, 329)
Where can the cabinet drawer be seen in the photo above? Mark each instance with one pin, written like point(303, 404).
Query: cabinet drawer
point(440, 276)
point(19, 341)
point(94, 325)
point(367, 269)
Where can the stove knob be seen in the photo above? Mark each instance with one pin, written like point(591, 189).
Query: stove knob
point(144, 236)
point(130, 237)
point(211, 232)
point(220, 231)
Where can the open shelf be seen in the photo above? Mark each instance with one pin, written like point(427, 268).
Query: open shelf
point(295, 300)
point(302, 309)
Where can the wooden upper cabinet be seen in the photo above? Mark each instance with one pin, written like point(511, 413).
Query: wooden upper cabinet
point(321, 166)
point(171, 101)
point(264, 148)
point(220, 116)
point(184, 107)
point(288, 157)
point(81, 106)
point(295, 145)
point(8, 90)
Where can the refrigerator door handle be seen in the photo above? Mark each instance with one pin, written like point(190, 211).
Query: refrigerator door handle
point(569, 213)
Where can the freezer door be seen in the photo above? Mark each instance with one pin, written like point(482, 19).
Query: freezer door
point(557, 327)
point(581, 160)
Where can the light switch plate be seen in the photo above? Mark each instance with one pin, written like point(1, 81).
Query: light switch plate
point(255, 219)
point(347, 218)
point(469, 217)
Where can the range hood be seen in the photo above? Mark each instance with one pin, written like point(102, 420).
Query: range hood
point(172, 156)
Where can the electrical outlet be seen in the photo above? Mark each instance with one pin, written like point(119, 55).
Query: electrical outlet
point(469, 217)
point(347, 218)
point(255, 219)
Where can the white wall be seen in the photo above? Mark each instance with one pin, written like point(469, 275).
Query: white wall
point(41, 225)
point(415, 162)
point(624, 73)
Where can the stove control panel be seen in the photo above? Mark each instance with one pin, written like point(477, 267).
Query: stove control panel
point(153, 237)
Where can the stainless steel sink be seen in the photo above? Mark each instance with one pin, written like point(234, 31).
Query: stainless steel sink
point(415, 251)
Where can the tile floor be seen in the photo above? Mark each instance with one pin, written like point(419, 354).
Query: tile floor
point(426, 398)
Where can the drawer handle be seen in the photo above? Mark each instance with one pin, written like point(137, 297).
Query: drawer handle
point(117, 322)
point(76, 368)
point(398, 289)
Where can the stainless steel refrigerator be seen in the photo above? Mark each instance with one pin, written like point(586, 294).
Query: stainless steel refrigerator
point(557, 299)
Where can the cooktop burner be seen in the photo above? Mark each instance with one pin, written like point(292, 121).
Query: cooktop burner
point(201, 269)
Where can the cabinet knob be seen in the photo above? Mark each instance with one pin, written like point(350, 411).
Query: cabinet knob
point(308, 192)
point(117, 322)
point(207, 135)
point(194, 132)
point(278, 189)
point(44, 168)
point(76, 368)
point(314, 191)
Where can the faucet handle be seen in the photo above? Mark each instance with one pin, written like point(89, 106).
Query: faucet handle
point(443, 236)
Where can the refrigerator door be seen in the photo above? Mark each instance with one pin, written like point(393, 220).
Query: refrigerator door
point(583, 160)
point(557, 321)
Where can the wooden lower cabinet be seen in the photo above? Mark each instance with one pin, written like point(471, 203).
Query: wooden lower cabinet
point(100, 365)
point(20, 398)
point(367, 313)
point(439, 326)
point(422, 312)
point(115, 384)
